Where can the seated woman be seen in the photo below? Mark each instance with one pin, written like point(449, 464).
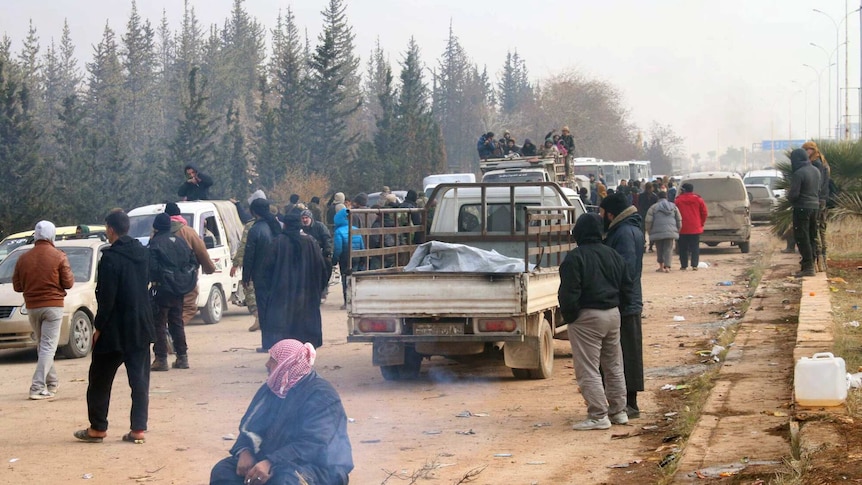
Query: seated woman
point(295, 429)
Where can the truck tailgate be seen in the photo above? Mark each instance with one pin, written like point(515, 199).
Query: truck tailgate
point(439, 294)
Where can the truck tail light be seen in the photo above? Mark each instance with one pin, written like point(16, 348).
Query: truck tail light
point(376, 325)
point(497, 325)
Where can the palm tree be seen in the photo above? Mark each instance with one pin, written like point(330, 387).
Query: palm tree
point(845, 161)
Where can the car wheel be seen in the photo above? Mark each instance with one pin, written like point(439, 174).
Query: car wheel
point(80, 336)
point(546, 356)
point(745, 247)
point(712, 244)
point(408, 370)
point(212, 312)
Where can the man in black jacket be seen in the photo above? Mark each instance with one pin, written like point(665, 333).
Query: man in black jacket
point(624, 234)
point(594, 284)
point(196, 186)
point(804, 195)
point(257, 248)
point(321, 234)
point(171, 259)
point(123, 331)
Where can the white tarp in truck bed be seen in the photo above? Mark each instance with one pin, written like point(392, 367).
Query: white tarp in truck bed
point(459, 258)
point(233, 226)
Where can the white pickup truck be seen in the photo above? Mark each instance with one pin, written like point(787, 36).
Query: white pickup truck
point(218, 224)
point(411, 315)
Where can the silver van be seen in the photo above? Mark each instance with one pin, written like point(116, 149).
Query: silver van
point(729, 209)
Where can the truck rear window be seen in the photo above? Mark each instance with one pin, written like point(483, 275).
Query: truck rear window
point(499, 218)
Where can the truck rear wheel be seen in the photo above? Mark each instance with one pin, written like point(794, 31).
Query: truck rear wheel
point(214, 308)
point(546, 356)
point(406, 371)
point(745, 247)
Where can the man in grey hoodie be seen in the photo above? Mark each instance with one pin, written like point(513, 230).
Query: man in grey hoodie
point(804, 195)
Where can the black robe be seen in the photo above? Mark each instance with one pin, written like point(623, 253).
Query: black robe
point(305, 433)
point(296, 278)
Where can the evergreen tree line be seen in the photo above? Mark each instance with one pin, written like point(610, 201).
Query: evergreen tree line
point(76, 141)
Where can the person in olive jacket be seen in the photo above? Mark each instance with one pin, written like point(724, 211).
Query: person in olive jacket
point(124, 331)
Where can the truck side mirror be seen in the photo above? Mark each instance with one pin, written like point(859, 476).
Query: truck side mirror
point(209, 242)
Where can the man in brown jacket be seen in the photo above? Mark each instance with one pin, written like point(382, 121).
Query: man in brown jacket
point(193, 239)
point(43, 274)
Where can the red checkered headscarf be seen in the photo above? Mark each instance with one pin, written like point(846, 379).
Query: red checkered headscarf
point(294, 362)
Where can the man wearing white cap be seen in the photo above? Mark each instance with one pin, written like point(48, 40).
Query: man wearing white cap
point(43, 274)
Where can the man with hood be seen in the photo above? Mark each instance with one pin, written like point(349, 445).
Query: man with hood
point(804, 196)
point(123, 331)
point(693, 210)
point(196, 186)
point(180, 228)
point(624, 234)
point(594, 285)
point(820, 163)
point(360, 201)
point(248, 290)
point(663, 222)
point(549, 149)
point(321, 234)
point(43, 274)
point(486, 145)
point(257, 249)
point(528, 149)
point(296, 276)
point(336, 203)
point(173, 272)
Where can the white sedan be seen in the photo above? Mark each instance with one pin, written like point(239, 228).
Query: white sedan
point(76, 332)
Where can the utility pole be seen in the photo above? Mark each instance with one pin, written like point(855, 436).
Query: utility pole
point(846, 76)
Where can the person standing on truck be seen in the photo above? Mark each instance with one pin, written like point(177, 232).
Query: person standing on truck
point(257, 248)
point(123, 331)
point(804, 195)
point(486, 146)
point(196, 186)
point(296, 276)
point(624, 234)
point(694, 213)
point(173, 271)
point(528, 149)
point(568, 140)
point(594, 285)
point(180, 228)
point(43, 275)
point(340, 252)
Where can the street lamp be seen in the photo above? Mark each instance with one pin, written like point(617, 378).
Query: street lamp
point(837, 73)
point(829, 84)
point(819, 96)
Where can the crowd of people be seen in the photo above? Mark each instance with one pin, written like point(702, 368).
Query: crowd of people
point(562, 144)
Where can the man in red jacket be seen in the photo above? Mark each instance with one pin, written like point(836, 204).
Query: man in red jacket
point(693, 210)
point(43, 274)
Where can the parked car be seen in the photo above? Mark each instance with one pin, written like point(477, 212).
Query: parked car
point(762, 200)
point(727, 202)
point(79, 309)
point(12, 241)
point(765, 177)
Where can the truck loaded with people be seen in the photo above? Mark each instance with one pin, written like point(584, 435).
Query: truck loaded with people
point(486, 276)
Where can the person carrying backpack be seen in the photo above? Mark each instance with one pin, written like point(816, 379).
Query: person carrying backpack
point(173, 273)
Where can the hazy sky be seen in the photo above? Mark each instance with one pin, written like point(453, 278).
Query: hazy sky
point(720, 72)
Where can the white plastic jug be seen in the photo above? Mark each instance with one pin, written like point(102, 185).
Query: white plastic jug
point(820, 380)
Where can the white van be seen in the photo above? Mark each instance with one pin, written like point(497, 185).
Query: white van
point(218, 224)
point(769, 178)
point(729, 209)
point(431, 181)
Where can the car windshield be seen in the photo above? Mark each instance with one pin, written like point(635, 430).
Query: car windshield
point(80, 259)
point(514, 177)
point(142, 226)
point(716, 190)
point(9, 245)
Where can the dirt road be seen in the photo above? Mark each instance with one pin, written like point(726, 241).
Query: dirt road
point(516, 432)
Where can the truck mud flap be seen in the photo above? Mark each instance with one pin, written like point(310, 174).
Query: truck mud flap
point(522, 355)
point(387, 353)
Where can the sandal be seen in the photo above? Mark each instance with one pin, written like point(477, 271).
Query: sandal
point(128, 438)
point(84, 435)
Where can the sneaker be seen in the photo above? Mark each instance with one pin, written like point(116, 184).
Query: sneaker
point(53, 388)
point(620, 418)
point(633, 413)
point(589, 424)
point(43, 394)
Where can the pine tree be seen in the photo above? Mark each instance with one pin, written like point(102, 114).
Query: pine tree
point(290, 92)
point(194, 142)
point(25, 197)
point(269, 165)
point(28, 62)
point(375, 73)
point(240, 61)
point(333, 100)
point(105, 80)
point(70, 75)
point(231, 166)
point(139, 64)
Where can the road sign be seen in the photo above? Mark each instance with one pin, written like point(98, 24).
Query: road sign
point(780, 145)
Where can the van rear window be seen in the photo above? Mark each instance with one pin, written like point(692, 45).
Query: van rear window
point(718, 189)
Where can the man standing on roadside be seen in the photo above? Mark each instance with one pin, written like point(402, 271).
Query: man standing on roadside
point(624, 234)
point(804, 196)
point(180, 228)
point(173, 272)
point(594, 285)
point(692, 208)
point(43, 274)
point(124, 331)
point(819, 162)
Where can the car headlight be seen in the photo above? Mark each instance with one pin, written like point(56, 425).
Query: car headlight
point(24, 309)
